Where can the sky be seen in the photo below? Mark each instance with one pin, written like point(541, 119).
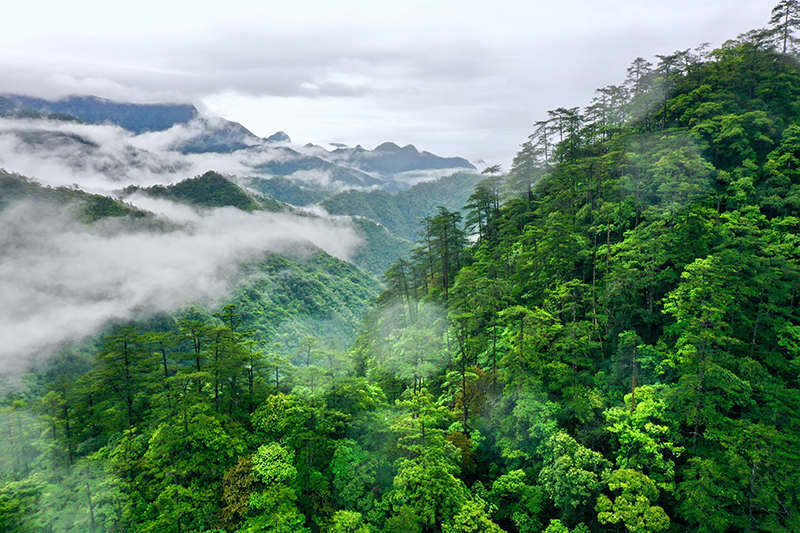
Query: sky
point(457, 78)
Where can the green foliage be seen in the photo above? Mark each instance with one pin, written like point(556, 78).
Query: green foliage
point(632, 505)
point(472, 518)
point(285, 190)
point(517, 502)
point(85, 207)
point(209, 190)
point(401, 213)
point(617, 349)
point(573, 474)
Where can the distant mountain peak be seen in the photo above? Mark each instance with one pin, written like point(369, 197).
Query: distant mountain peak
point(387, 147)
point(136, 118)
point(279, 137)
point(392, 147)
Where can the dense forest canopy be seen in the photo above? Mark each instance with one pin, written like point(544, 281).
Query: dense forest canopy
point(606, 338)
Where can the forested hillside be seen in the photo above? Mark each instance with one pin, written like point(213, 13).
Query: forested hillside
point(607, 338)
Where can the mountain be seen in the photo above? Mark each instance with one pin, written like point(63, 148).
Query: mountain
point(209, 190)
point(155, 136)
point(136, 118)
point(285, 285)
point(389, 158)
point(402, 212)
point(314, 171)
point(84, 206)
point(607, 338)
point(380, 247)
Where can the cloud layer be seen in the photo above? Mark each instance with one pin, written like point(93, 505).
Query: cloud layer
point(61, 280)
point(456, 78)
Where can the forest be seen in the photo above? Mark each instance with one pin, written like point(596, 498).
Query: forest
point(604, 338)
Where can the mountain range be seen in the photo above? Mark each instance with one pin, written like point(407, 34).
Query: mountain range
point(152, 140)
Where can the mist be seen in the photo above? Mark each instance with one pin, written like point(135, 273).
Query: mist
point(104, 158)
point(61, 280)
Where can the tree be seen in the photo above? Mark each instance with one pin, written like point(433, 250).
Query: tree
point(273, 508)
point(428, 484)
point(644, 436)
point(355, 479)
point(572, 474)
point(632, 505)
point(473, 517)
point(348, 522)
point(516, 503)
point(122, 368)
point(784, 21)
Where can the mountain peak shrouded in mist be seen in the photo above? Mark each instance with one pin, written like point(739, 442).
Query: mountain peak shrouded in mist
point(147, 144)
point(392, 147)
point(279, 137)
point(209, 190)
point(136, 118)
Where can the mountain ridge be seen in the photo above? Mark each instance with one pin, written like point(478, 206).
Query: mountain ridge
point(182, 129)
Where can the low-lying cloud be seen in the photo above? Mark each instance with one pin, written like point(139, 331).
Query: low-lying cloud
point(61, 280)
point(105, 158)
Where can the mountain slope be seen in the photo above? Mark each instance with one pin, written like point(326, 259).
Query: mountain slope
point(401, 212)
point(137, 118)
point(209, 190)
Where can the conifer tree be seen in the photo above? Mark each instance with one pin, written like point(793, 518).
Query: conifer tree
point(785, 20)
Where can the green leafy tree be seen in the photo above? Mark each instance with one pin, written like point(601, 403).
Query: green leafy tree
point(572, 475)
point(785, 21)
point(274, 508)
point(632, 505)
point(643, 433)
point(474, 517)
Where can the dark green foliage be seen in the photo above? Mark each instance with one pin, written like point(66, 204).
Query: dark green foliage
point(87, 207)
point(208, 190)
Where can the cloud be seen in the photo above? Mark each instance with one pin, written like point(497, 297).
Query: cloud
point(103, 158)
point(61, 280)
point(461, 78)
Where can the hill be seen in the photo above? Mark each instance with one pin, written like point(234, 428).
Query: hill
point(401, 212)
point(209, 190)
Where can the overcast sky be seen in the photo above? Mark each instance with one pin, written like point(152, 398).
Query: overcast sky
point(457, 78)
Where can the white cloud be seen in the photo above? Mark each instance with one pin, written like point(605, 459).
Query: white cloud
point(60, 280)
point(455, 78)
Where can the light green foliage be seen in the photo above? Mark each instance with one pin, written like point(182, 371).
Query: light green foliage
point(404, 520)
point(632, 505)
point(473, 517)
point(179, 474)
point(643, 436)
point(348, 522)
point(272, 464)
point(556, 526)
point(428, 483)
point(274, 509)
point(18, 502)
point(572, 474)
